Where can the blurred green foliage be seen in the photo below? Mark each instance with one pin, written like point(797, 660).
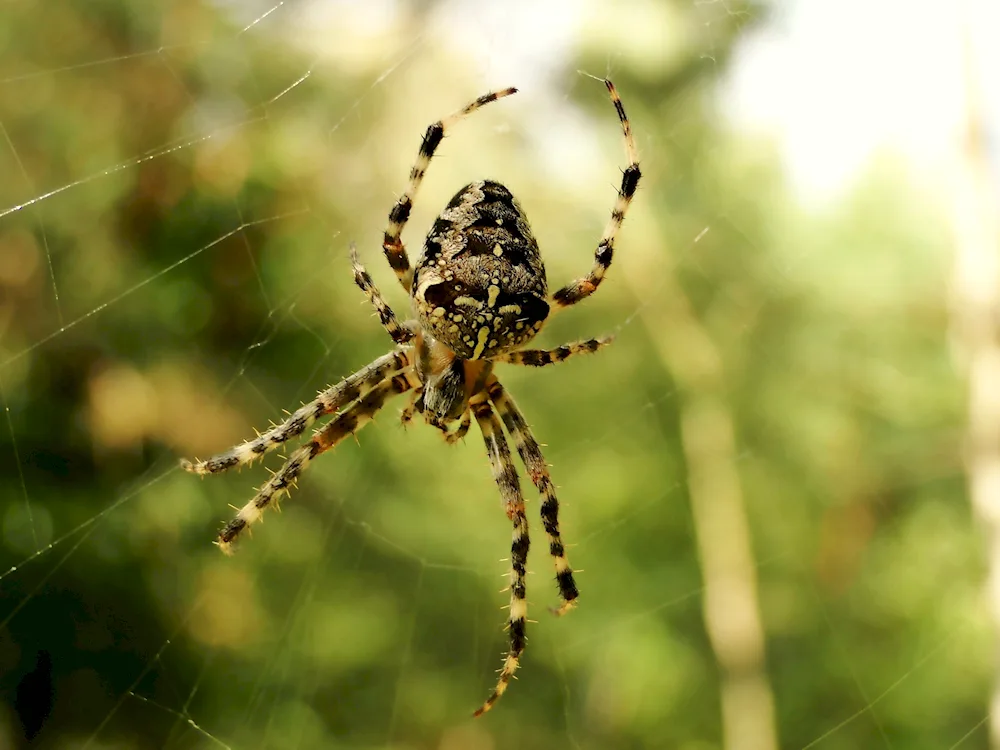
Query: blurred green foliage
point(177, 275)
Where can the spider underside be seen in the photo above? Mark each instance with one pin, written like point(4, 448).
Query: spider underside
point(479, 294)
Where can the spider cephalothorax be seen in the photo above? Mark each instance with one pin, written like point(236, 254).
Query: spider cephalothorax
point(479, 294)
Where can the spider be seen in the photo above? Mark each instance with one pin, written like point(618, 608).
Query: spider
point(479, 294)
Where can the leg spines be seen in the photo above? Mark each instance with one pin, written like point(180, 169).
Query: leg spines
point(630, 183)
point(432, 139)
point(538, 471)
point(505, 475)
point(347, 390)
point(517, 622)
point(280, 482)
point(400, 212)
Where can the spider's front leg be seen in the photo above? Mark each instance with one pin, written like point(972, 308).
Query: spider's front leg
point(534, 462)
point(505, 475)
point(346, 423)
point(349, 389)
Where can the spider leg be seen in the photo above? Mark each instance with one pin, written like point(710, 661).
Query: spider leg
point(345, 424)
point(395, 252)
point(583, 288)
point(349, 389)
point(534, 462)
point(386, 316)
point(543, 357)
point(505, 475)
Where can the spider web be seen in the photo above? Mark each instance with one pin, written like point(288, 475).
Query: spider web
point(181, 182)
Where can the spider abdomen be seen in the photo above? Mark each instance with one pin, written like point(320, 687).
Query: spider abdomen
point(479, 285)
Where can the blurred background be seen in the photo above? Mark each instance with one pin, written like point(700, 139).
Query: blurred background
point(764, 480)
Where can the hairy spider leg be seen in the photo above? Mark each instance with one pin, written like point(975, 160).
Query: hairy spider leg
point(398, 333)
point(538, 471)
point(543, 357)
point(349, 389)
point(506, 478)
point(583, 288)
point(347, 423)
point(395, 252)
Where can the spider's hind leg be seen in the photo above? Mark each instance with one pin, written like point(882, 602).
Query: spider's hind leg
point(400, 334)
point(583, 288)
point(395, 252)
